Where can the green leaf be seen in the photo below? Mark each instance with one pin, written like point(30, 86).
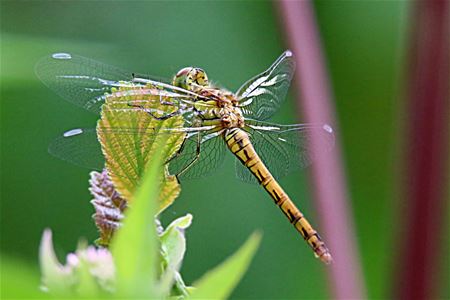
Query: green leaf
point(173, 242)
point(128, 135)
point(19, 279)
point(173, 248)
point(220, 282)
point(135, 246)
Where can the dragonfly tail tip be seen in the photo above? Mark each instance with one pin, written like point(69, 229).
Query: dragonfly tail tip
point(326, 258)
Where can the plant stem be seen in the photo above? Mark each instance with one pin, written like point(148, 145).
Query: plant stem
point(329, 182)
point(425, 175)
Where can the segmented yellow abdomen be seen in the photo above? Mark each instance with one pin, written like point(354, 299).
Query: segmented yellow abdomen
point(239, 143)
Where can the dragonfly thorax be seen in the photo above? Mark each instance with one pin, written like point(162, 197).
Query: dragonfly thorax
point(191, 78)
point(219, 105)
point(213, 103)
point(231, 117)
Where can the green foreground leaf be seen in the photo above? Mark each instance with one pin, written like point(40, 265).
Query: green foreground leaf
point(219, 282)
point(173, 248)
point(19, 280)
point(135, 246)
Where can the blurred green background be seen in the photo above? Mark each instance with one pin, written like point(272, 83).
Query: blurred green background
point(232, 41)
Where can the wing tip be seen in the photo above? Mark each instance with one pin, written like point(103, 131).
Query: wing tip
point(41, 67)
point(327, 128)
point(73, 132)
point(61, 55)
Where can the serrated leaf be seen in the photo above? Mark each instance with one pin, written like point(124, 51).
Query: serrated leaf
point(128, 135)
point(168, 193)
point(219, 282)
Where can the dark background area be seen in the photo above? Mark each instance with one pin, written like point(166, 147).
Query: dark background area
point(364, 47)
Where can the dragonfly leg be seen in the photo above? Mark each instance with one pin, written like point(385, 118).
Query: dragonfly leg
point(197, 156)
point(162, 118)
point(163, 102)
point(166, 103)
point(199, 142)
point(176, 154)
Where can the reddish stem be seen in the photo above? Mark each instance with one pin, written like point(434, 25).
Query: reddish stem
point(426, 154)
point(329, 182)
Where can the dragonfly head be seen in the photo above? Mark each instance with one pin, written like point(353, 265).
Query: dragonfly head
point(190, 78)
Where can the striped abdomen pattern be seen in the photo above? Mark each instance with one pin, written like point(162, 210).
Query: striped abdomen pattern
point(239, 143)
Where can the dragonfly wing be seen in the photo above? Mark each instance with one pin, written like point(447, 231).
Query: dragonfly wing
point(80, 80)
point(261, 96)
point(86, 82)
point(285, 148)
point(210, 157)
point(80, 147)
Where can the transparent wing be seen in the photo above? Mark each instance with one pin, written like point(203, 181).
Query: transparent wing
point(210, 156)
point(284, 148)
point(261, 96)
point(85, 82)
point(80, 80)
point(81, 147)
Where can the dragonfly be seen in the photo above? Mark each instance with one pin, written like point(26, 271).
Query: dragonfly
point(214, 119)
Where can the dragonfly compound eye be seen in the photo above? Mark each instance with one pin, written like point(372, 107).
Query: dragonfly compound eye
point(191, 78)
point(199, 77)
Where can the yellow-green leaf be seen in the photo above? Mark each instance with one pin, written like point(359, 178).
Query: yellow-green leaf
point(129, 135)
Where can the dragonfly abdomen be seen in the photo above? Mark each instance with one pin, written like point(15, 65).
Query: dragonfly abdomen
point(240, 145)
